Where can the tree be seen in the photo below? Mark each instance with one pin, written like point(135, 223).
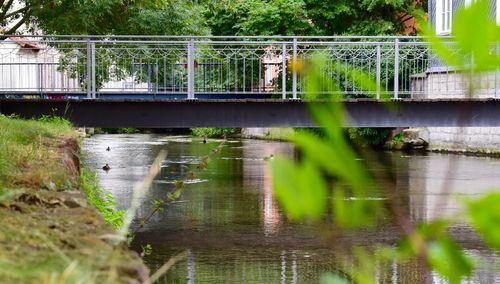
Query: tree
point(257, 17)
point(309, 17)
point(13, 16)
point(145, 17)
point(104, 17)
point(365, 17)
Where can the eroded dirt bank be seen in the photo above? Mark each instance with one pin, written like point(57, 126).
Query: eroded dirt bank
point(49, 232)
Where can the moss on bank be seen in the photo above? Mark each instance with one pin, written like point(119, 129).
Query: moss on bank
point(50, 233)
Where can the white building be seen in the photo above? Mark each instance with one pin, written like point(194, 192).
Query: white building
point(29, 67)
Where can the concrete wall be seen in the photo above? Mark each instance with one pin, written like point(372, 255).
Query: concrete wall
point(451, 84)
point(466, 139)
point(456, 85)
point(444, 85)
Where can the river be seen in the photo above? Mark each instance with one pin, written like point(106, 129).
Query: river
point(235, 231)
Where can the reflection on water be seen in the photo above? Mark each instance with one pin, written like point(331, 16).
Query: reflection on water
point(235, 231)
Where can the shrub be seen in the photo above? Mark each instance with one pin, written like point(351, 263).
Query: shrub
point(214, 132)
point(374, 137)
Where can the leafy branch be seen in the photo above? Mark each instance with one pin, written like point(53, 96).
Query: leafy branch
point(330, 176)
point(157, 204)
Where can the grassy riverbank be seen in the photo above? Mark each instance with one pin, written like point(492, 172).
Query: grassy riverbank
point(49, 230)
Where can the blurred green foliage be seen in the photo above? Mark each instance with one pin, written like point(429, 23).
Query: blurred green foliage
point(473, 48)
point(297, 184)
point(304, 188)
point(485, 217)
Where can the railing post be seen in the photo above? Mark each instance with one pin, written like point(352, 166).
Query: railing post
point(283, 75)
point(40, 78)
point(378, 70)
point(93, 80)
point(190, 67)
point(89, 70)
point(294, 82)
point(396, 69)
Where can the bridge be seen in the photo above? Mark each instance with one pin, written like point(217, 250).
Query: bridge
point(202, 81)
point(256, 113)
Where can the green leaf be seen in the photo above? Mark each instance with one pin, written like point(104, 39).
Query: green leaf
point(335, 156)
point(442, 253)
point(330, 278)
point(354, 213)
point(176, 194)
point(475, 37)
point(475, 32)
point(300, 188)
point(414, 244)
point(446, 257)
point(485, 216)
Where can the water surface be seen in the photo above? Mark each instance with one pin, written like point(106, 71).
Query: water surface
point(235, 231)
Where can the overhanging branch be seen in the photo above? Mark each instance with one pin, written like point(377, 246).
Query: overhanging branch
point(23, 20)
point(16, 12)
point(6, 9)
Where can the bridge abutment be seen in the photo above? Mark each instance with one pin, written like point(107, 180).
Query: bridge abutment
point(453, 84)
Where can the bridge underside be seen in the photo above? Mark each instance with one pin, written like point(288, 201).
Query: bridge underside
point(255, 113)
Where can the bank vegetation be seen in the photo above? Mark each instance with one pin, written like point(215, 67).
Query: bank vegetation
point(50, 232)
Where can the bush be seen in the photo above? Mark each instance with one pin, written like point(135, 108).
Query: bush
point(373, 137)
point(117, 130)
point(320, 132)
point(398, 138)
point(214, 132)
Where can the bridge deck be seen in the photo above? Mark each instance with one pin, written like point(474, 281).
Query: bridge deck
point(255, 113)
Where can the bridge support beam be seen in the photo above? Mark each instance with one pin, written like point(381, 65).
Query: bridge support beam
point(256, 113)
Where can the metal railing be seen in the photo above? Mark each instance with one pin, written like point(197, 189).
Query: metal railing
point(200, 67)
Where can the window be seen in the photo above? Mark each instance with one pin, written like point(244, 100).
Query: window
point(443, 16)
point(497, 12)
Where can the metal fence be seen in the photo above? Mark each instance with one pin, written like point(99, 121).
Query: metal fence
point(209, 67)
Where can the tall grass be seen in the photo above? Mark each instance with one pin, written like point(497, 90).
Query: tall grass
point(23, 146)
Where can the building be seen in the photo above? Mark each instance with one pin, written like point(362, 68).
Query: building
point(29, 67)
point(32, 68)
point(442, 82)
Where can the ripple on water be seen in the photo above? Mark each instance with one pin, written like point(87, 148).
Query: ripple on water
point(246, 159)
point(189, 161)
point(145, 143)
point(187, 181)
point(366, 198)
point(179, 140)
